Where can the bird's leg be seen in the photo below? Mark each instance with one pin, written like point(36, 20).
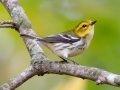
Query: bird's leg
point(72, 61)
point(65, 59)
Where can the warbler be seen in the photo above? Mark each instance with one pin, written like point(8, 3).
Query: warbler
point(69, 43)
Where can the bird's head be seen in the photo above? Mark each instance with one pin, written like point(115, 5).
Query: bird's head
point(84, 28)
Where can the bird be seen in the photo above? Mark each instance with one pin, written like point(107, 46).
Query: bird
point(69, 43)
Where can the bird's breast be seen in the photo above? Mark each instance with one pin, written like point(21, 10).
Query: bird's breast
point(76, 51)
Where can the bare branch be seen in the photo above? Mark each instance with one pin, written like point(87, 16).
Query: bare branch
point(94, 74)
point(98, 75)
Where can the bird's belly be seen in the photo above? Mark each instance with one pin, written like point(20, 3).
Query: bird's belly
point(66, 50)
point(76, 52)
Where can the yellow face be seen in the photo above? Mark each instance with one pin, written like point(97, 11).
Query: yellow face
point(84, 27)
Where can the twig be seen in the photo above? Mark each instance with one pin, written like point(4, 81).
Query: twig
point(11, 24)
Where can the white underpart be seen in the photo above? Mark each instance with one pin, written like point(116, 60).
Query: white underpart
point(62, 45)
point(58, 44)
point(65, 53)
point(66, 49)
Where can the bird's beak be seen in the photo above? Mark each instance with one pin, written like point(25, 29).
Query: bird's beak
point(93, 22)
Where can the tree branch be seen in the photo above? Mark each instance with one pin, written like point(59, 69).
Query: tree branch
point(94, 74)
point(40, 64)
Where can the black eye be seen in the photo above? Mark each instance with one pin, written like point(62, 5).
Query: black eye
point(84, 25)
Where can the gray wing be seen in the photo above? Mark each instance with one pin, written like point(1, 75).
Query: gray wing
point(62, 38)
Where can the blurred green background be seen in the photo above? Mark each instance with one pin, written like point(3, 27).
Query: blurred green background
point(54, 16)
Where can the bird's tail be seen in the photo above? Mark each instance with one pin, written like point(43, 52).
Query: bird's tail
point(32, 37)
